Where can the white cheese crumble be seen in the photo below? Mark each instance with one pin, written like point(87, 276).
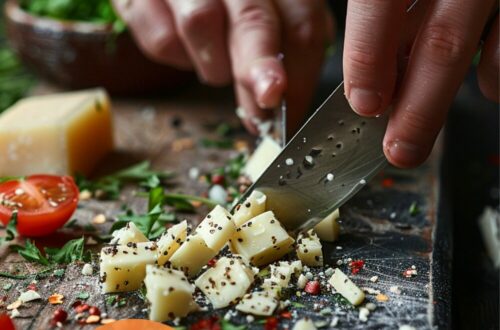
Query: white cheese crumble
point(87, 270)
point(289, 161)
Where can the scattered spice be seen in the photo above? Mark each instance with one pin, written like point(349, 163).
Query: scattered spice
point(56, 299)
point(312, 287)
point(387, 182)
point(410, 272)
point(356, 266)
point(381, 297)
point(59, 316)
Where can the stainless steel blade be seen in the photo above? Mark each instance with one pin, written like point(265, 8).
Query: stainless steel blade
point(331, 158)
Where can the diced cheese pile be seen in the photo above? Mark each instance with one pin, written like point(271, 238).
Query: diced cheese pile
point(309, 249)
point(192, 255)
point(64, 133)
point(254, 205)
point(128, 234)
point(170, 241)
point(262, 303)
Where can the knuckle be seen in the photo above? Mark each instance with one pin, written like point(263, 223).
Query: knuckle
point(445, 47)
point(158, 45)
point(252, 16)
point(362, 59)
point(418, 121)
point(196, 19)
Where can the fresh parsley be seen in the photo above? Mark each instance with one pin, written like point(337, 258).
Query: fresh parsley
point(414, 209)
point(109, 186)
point(31, 253)
point(73, 250)
point(83, 295)
point(11, 229)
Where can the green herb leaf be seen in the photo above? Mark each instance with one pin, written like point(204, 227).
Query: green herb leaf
point(414, 209)
point(111, 300)
point(226, 325)
point(7, 286)
point(71, 251)
point(297, 305)
point(30, 252)
point(83, 295)
point(59, 272)
point(219, 144)
point(11, 229)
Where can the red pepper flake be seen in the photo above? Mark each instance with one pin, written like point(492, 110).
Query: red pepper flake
point(212, 262)
point(31, 286)
point(94, 311)
point(76, 303)
point(218, 179)
point(410, 272)
point(387, 182)
point(286, 315)
point(312, 287)
point(81, 308)
point(356, 266)
point(211, 323)
point(271, 323)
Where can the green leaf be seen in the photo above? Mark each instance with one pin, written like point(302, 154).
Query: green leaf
point(297, 305)
point(111, 300)
point(414, 209)
point(226, 325)
point(59, 272)
point(156, 198)
point(219, 144)
point(11, 229)
point(83, 295)
point(30, 252)
point(7, 286)
point(71, 251)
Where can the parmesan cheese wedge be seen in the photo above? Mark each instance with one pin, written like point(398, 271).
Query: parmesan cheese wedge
point(262, 157)
point(192, 255)
point(64, 133)
point(170, 241)
point(262, 240)
point(169, 294)
point(343, 285)
point(217, 228)
point(254, 205)
point(328, 229)
point(225, 283)
point(128, 234)
point(123, 267)
point(309, 249)
point(258, 303)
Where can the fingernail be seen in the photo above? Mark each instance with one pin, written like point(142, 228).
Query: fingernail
point(263, 90)
point(404, 154)
point(364, 101)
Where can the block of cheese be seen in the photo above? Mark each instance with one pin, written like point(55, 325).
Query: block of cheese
point(64, 133)
point(226, 282)
point(263, 156)
point(123, 267)
point(192, 255)
point(343, 285)
point(169, 294)
point(258, 303)
point(217, 228)
point(309, 249)
point(128, 234)
point(262, 240)
point(328, 229)
point(170, 241)
point(254, 205)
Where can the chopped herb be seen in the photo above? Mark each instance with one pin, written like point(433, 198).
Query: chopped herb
point(414, 209)
point(83, 295)
point(122, 302)
point(11, 229)
point(297, 305)
point(71, 224)
point(30, 252)
point(111, 300)
point(341, 301)
point(71, 251)
point(226, 325)
point(224, 130)
point(59, 272)
point(7, 286)
point(264, 272)
point(110, 185)
point(40, 274)
point(89, 228)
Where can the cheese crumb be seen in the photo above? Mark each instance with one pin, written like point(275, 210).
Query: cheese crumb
point(374, 279)
point(395, 289)
point(87, 270)
point(302, 281)
point(363, 314)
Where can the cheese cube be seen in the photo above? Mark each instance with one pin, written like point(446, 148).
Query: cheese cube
point(263, 156)
point(343, 285)
point(258, 303)
point(225, 283)
point(328, 229)
point(254, 205)
point(128, 234)
point(309, 249)
point(170, 241)
point(64, 133)
point(217, 228)
point(123, 267)
point(304, 324)
point(262, 240)
point(192, 255)
point(169, 294)
point(295, 266)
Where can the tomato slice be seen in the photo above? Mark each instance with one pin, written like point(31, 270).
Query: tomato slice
point(44, 203)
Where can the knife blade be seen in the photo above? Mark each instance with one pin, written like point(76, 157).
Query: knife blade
point(333, 155)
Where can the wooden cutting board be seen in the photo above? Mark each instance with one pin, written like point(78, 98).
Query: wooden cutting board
point(377, 226)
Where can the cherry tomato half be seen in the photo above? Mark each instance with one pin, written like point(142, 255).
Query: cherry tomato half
point(44, 203)
point(6, 322)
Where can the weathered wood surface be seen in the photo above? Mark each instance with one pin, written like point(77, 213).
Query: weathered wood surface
point(376, 224)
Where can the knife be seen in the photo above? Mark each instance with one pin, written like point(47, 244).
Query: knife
point(333, 155)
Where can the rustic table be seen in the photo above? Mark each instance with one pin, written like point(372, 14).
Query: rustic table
point(377, 227)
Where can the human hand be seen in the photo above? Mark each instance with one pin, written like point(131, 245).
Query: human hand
point(239, 41)
point(444, 36)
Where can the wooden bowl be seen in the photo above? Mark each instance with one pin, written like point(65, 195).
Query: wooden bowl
point(80, 55)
